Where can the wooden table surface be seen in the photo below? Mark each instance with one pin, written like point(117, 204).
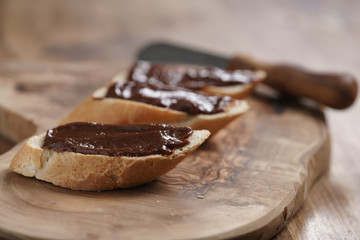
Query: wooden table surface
point(321, 35)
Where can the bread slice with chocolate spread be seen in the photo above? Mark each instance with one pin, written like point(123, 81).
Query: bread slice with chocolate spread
point(207, 79)
point(95, 171)
point(99, 108)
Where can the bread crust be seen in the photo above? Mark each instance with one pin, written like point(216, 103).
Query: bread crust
point(96, 172)
point(215, 122)
point(119, 111)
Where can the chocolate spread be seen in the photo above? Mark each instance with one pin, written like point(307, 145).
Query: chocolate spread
point(168, 96)
point(176, 86)
point(190, 76)
point(114, 140)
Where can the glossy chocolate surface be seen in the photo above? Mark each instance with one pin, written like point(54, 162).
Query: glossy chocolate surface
point(114, 140)
point(166, 96)
point(190, 76)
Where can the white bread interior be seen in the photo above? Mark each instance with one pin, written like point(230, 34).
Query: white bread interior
point(96, 172)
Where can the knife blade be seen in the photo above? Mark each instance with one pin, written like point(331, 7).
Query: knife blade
point(336, 90)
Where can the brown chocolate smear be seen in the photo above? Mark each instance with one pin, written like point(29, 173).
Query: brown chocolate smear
point(115, 140)
point(190, 76)
point(167, 96)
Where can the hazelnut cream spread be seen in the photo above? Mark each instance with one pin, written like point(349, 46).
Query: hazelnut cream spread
point(175, 86)
point(114, 140)
point(168, 96)
point(190, 76)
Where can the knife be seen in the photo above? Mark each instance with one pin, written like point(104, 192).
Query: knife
point(335, 90)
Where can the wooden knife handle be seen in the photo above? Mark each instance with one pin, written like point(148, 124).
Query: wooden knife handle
point(331, 89)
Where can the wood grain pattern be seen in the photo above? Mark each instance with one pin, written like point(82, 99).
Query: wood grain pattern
point(248, 169)
point(320, 35)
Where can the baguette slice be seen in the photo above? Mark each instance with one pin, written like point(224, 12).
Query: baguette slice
point(163, 71)
point(119, 111)
point(97, 172)
point(237, 91)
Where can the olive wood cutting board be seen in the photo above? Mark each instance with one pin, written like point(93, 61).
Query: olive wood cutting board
point(248, 181)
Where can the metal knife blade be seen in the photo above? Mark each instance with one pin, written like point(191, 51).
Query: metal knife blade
point(167, 53)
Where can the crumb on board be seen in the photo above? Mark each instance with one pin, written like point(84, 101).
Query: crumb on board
point(200, 197)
